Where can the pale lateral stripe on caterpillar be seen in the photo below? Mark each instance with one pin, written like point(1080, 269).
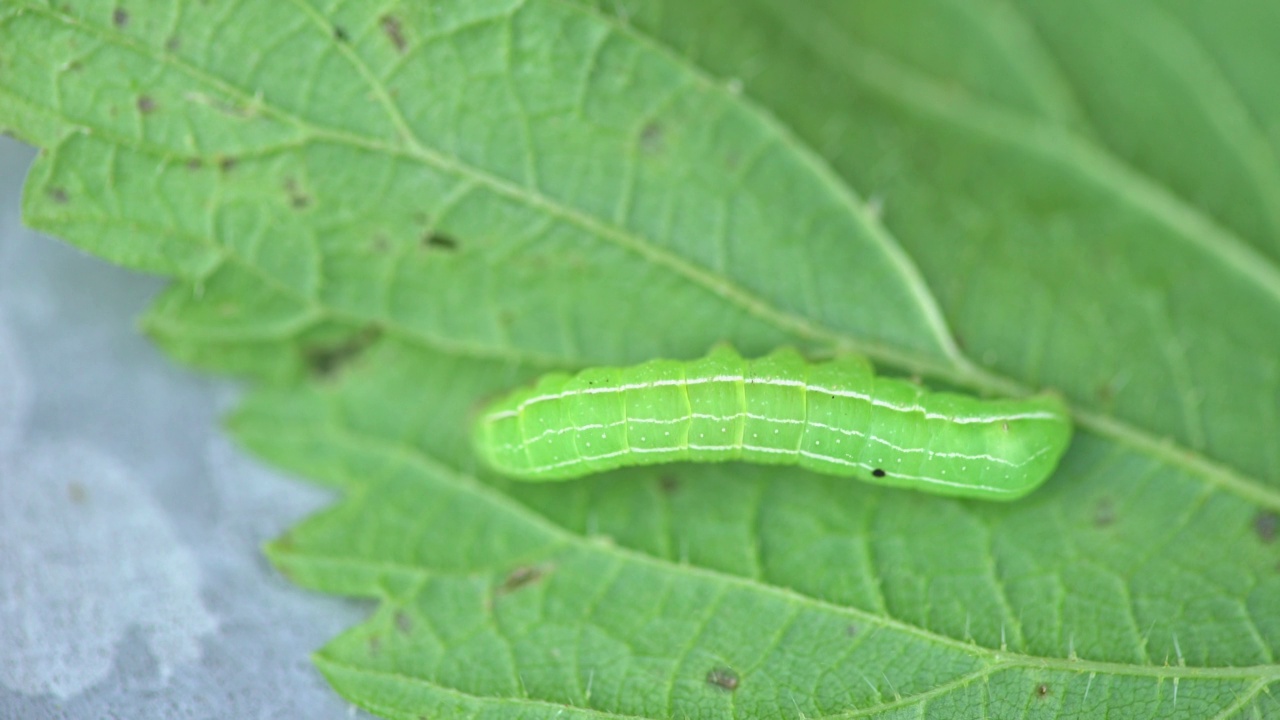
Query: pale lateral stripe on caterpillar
point(843, 431)
point(893, 430)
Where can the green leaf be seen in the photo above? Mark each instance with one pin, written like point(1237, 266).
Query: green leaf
point(386, 214)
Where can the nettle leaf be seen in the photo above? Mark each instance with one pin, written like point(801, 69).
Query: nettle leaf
point(387, 214)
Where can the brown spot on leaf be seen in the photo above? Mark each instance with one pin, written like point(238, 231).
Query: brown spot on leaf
point(851, 630)
point(669, 484)
point(1104, 513)
point(120, 17)
point(59, 195)
point(194, 163)
point(340, 34)
point(522, 577)
point(391, 28)
point(1266, 524)
point(440, 241)
point(173, 44)
point(226, 164)
point(1042, 690)
point(146, 105)
point(404, 623)
point(653, 138)
point(723, 678)
point(326, 361)
point(1104, 393)
point(298, 199)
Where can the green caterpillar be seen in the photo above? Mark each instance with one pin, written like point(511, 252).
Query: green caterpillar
point(832, 417)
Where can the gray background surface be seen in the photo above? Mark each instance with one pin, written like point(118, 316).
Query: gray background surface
point(131, 580)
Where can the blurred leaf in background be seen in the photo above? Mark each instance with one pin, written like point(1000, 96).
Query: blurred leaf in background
point(385, 213)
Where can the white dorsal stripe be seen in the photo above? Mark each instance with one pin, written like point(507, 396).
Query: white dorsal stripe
point(774, 382)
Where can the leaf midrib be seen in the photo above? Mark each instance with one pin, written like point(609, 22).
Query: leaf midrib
point(980, 117)
point(961, 371)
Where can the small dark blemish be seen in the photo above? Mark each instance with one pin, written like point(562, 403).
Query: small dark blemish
point(194, 163)
point(653, 138)
point(120, 17)
point(173, 44)
point(326, 361)
point(1266, 525)
point(521, 577)
point(391, 28)
point(1042, 690)
point(380, 245)
point(297, 198)
point(77, 493)
point(226, 164)
point(440, 241)
point(340, 34)
point(669, 484)
point(723, 678)
point(146, 105)
point(375, 646)
point(1104, 513)
point(404, 623)
point(59, 195)
point(1104, 393)
point(851, 630)
point(877, 473)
